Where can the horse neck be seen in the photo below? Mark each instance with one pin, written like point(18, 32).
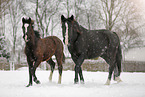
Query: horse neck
point(33, 38)
point(83, 30)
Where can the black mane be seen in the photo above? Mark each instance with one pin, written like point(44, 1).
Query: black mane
point(37, 34)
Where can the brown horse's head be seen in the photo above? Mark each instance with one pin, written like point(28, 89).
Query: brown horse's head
point(27, 28)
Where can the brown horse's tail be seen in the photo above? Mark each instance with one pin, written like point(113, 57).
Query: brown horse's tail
point(63, 60)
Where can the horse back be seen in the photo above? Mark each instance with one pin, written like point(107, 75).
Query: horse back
point(55, 41)
point(94, 43)
point(52, 45)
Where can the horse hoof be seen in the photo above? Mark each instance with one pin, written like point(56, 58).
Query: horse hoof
point(50, 81)
point(118, 79)
point(76, 81)
point(82, 82)
point(108, 82)
point(29, 85)
point(37, 82)
point(59, 82)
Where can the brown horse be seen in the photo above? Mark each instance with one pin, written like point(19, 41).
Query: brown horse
point(38, 50)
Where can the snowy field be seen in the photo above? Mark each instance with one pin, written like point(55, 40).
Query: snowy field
point(12, 84)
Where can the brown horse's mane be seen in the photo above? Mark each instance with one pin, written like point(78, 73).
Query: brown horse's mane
point(37, 34)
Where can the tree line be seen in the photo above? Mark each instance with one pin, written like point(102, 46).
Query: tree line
point(120, 16)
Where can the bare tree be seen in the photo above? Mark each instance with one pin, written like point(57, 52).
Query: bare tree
point(129, 27)
point(44, 12)
point(86, 13)
point(91, 13)
point(15, 18)
point(4, 4)
point(121, 16)
point(67, 7)
point(111, 11)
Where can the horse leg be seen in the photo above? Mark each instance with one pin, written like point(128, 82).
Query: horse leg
point(59, 58)
point(118, 69)
point(78, 62)
point(52, 65)
point(30, 77)
point(81, 76)
point(111, 68)
point(118, 63)
point(30, 63)
point(36, 64)
point(116, 74)
point(111, 63)
point(115, 71)
point(76, 74)
point(60, 73)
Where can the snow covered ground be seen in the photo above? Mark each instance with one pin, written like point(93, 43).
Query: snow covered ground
point(12, 84)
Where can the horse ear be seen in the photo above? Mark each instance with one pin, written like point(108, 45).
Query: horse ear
point(29, 20)
point(23, 19)
point(62, 18)
point(72, 18)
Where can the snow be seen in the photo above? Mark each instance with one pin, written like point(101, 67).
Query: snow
point(12, 83)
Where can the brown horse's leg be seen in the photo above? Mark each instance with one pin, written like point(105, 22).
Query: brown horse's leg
point(52, 65)
point(59, 58)
point(36, 64)
point(30, 64)
point(30, 77)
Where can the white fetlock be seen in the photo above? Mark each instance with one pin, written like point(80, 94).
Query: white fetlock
point(82, 82)
point(118, 79)
point(50, 76)
point(107, 82)
point(59, 80)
